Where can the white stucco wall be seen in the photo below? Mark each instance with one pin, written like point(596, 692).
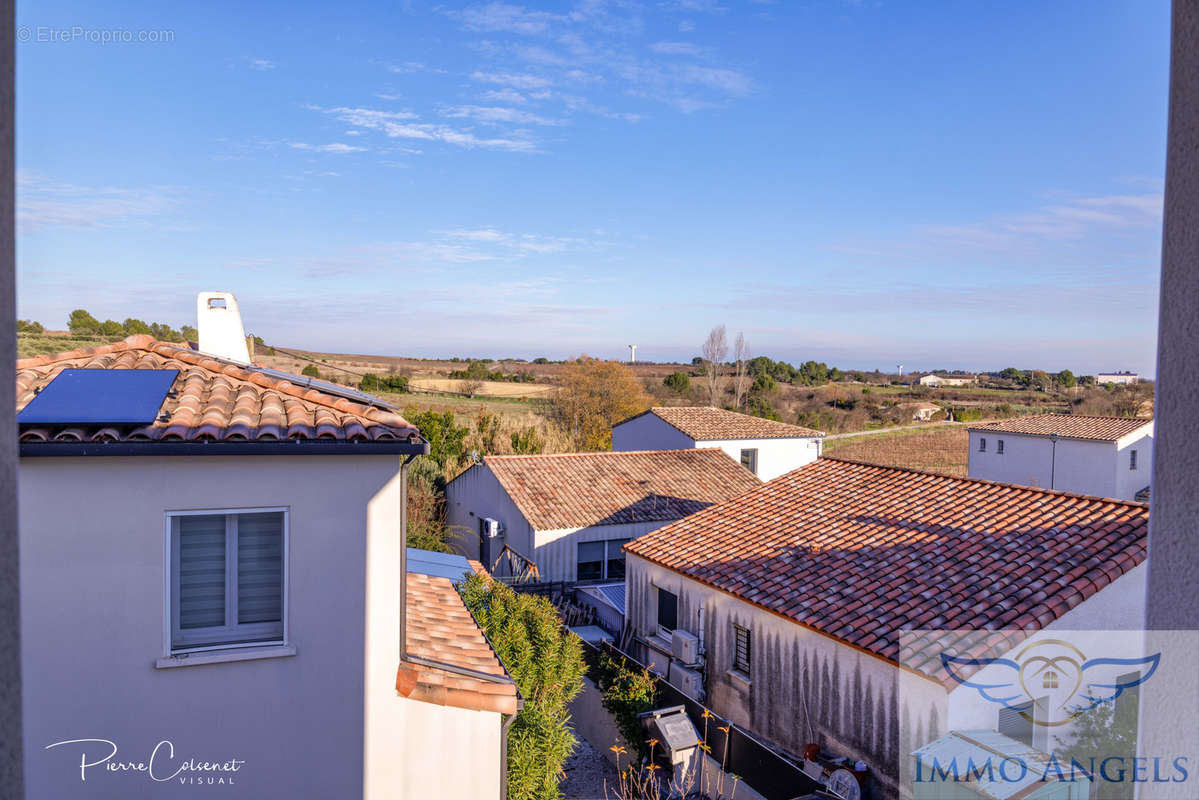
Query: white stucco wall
point(1097, 468)
point(1130, 481)
point(445, 752)
point(775, 456)
point(557, 552)
point(92, 564)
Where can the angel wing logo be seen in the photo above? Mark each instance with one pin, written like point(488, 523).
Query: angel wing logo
point(1053, 675)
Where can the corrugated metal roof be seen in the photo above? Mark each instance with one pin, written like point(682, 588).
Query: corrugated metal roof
point(438, 565)
point(972, 751)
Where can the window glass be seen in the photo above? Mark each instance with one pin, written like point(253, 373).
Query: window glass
point(591, 561)
point(741, 651)
point(615, 564)
point(668, 610)
point(201, 579)
point(749, 459)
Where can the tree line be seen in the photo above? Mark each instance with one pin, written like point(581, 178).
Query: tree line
point(82, 323)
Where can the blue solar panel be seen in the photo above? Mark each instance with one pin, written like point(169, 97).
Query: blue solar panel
point(100, 397)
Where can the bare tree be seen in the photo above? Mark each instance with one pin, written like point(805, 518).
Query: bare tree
point(741, 358)
point(715, 351)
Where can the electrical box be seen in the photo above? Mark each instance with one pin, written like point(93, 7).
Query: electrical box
point(684, 646)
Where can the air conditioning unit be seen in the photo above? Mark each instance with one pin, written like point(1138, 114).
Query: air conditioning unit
point(492, 527)
point(684, 646)
point(687, 681)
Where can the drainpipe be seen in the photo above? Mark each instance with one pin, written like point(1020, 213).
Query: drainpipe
point(1053, 460)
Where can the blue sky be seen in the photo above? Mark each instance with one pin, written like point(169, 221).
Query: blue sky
point(954, 184)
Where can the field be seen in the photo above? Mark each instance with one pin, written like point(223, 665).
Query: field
point(942, 448)
point(523, 391)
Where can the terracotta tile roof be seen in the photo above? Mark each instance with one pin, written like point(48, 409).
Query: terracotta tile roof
point(212, 400)
point(704, 423)
point(441, 628)
point(573, 490)
point(1071, 426)
point(861, 552)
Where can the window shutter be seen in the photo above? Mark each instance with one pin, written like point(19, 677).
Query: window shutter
point(201, 571)
point(260, 567)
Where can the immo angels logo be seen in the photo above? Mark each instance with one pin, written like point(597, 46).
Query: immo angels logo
point(1052, 676)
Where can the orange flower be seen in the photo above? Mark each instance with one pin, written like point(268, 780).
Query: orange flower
point(617, 749)
point(707, 714)
point(724, 728)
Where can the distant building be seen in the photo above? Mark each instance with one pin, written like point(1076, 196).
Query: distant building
point(765, 447)
point(938, 381)
point(1117, 377)
point(921, 412)
point(571, 513)
point(785, 607)
point(1101, 456)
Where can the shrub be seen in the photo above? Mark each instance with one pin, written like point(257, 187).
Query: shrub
point(27, 326)
point(546, 661)
point(626, 693)
point(677, 382)
point(311, 371)
point(447, 441)
point(527, 442)
point(383, 383)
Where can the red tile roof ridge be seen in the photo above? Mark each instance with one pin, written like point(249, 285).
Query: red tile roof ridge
point(964, 479)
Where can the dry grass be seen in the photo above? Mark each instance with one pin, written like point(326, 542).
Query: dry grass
point(485, 388)
point(944, 449)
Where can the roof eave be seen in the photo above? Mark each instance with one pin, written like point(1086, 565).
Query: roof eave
point(284, 447)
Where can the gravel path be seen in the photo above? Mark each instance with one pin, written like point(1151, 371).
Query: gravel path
point(586, 770)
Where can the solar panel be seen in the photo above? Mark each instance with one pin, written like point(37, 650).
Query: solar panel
point(100, 397)
point(324, 386)
point(437, 565)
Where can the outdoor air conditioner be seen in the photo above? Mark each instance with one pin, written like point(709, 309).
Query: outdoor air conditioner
point(687, 681)
point(491, 527)
point(684, 647)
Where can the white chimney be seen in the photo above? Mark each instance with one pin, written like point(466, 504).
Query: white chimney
point(218, 321)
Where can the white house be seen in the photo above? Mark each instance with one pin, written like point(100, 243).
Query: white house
point(1101, 456)
point(212, 592)
point(765, 447)
point(1117, 377)
point(570, 513)
point(937, 381)
point(785, 608)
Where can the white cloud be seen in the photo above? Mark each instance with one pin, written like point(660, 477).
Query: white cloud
point(494, 114)
point(676, 48)
point(504, 17)
point(516, 80)
point(399, 125)
point(335, 147)
point(506, 95)
point(262, 64)
point(43, 203)
point(686, 26)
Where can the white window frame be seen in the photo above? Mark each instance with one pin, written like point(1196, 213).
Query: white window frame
point(752, 466)
point(170, 556)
